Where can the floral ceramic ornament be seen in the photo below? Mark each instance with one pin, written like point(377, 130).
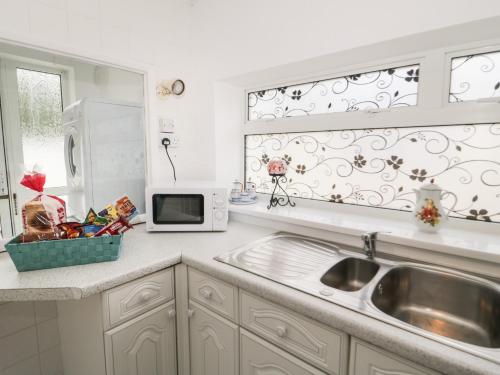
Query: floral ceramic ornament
point(429, 214)
point(277, 167)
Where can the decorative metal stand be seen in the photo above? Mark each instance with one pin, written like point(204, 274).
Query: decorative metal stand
point(279, 200)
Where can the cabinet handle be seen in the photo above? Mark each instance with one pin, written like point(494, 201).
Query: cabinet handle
point(206, 293)
point(281, 331)
point(171, 313)
point(145, 296)
point(190, 313)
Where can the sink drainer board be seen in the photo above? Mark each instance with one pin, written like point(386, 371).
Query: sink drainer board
point(451, 307)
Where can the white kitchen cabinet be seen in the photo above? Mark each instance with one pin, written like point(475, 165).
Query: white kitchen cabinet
point(258, 357)
point(143, 340)
point(214, 343)
point(143, 346)
point(368, 359)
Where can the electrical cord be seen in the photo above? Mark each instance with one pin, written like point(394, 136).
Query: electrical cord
point(166, 142)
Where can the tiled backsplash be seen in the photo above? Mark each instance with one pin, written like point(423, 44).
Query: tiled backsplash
point(29, 339)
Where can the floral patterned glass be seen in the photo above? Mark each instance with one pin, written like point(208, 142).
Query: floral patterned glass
point(475, 77)
point(381, 167)
point(389, 88)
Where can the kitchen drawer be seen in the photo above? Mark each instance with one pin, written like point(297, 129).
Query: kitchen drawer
point(134, 298)
point(215, 294)
point(259, 357)
point(313, 342)
point(368, 359)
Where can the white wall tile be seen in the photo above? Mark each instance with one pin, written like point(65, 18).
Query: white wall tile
point(16, 316)
point(45, 310)
point(85, 32)
point(115, 41)
point(30, 366)
point(51, 362)
point(17, 347)
point(48, 335)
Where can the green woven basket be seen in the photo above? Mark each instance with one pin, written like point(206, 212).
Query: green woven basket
point(62, 253)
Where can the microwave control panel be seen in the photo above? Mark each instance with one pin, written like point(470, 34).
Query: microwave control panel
point(220, 214)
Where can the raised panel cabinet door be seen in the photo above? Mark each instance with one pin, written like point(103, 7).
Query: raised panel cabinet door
point(367, 359)
point(258, 357)
point(145, 345)
point(213, 341)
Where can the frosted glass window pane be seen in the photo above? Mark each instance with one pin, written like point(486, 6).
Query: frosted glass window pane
point(389, 88)
point(475, 77)
point(40, 112)
point(381, 167)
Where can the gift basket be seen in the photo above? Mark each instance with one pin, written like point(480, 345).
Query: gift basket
point(49, 240)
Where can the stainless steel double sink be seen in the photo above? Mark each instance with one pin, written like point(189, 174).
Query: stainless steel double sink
point(452, 307)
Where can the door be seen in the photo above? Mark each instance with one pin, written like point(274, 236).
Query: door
point(213, 343)
point(6, 229)
point(145, 345)
point(33, 97)
point(258, 357)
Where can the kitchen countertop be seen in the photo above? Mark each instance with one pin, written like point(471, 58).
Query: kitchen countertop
point(144, 253)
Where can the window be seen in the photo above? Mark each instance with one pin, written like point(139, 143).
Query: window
point(475, 77)
point(40, 114)
point(381, 89)
point(381, 167)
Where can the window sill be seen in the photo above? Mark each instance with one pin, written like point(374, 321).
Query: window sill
point(470, 244)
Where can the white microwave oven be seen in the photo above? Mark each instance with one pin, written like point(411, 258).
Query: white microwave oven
point(186, 206)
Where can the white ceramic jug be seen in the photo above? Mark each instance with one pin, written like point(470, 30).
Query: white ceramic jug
point(429, 214)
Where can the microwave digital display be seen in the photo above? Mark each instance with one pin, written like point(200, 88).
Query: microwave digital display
point(178, 209)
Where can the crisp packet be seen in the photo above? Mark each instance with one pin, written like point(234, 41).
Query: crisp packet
point(90, 230)
point(93, 218)
point(69, 230)
point(126, 208)
point(119, 226)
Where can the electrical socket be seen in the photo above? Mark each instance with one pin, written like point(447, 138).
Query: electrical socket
point(174, 141)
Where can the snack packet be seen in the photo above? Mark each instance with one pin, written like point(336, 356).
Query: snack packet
point(109, 213)
point(93, 218)
point(119, 226)
point(43, 213)
point(126, 208)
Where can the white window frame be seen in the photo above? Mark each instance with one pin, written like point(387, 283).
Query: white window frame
point(461, 52)
point(433, 109)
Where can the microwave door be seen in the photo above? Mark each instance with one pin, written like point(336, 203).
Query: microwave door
point(183, 212)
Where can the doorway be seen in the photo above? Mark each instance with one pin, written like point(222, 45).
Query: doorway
point(33, 98)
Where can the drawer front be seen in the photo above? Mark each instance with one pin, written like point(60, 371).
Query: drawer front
point(368, 359)
point(258, 357)
point(132, 299)
point(215, 294)
point(313, 342)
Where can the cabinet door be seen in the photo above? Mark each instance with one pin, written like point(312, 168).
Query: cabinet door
point(213, 342)
point(258, 357)
point(368, 359)
point(144, 345)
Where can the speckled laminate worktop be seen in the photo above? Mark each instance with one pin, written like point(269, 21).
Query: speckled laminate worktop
point(142, 253)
